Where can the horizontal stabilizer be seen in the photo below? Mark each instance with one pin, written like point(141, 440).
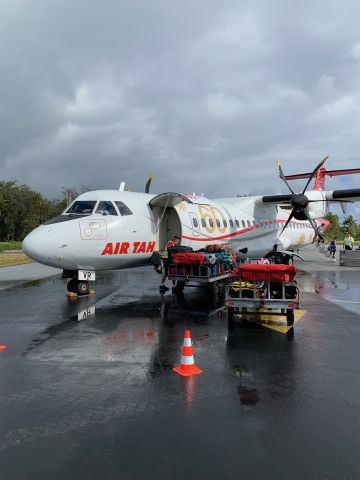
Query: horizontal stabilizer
point(329, 173)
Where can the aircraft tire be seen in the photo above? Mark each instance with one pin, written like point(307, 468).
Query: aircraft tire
point(82, 288)
point(290, 317)
point(71, 285)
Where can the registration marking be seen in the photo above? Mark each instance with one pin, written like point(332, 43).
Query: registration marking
point(86, 275)
point(86, 313)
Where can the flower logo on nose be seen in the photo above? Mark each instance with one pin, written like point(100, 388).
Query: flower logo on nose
point(90, 230)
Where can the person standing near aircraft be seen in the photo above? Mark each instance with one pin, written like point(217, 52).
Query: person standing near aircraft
point(348, 241)
point(332, 248)
point(167, 259)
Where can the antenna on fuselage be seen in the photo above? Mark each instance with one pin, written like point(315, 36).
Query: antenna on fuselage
point(122, 187)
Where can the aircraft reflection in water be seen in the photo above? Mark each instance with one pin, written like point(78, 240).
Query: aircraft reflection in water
point(109, 229)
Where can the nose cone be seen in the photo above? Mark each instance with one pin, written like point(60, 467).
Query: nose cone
point(40, 246)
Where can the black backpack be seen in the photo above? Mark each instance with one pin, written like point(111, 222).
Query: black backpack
point(156, 259)
point(180, 249)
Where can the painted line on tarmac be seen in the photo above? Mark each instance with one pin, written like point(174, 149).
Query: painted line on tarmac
point(270, 321)
point(345, 301)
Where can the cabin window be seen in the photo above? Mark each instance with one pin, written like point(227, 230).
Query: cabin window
point(123, 209)
point(203, 223)
point(237, 222)
point(82, 207)
point(106, 208)
point(225, 223)
point(195, 222)
point(248, 223)
point(243, 223)
point(218, 222)
point(231, 223)
point(211, 223)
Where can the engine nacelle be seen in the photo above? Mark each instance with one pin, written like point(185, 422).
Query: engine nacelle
point(319, 208)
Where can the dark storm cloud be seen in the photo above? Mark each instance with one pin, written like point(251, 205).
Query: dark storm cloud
point(206, 95)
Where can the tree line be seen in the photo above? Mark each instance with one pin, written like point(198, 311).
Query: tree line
point(338, 229)
point(23, 209)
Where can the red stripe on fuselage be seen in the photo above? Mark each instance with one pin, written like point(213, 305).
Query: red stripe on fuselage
point(238, 232)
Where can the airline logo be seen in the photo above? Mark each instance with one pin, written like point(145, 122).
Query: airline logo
point(123, 248)
point(93, 230)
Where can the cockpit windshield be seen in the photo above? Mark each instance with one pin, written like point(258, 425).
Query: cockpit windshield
point(123, 209)
point(82, 207)
point(106, 208)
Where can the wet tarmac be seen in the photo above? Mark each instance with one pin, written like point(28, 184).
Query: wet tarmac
point(97, 398)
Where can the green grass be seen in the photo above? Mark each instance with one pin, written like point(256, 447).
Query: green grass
point(10, 246)
point(10, 259)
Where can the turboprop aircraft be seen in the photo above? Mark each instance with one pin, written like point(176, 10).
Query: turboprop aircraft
point(113, 229)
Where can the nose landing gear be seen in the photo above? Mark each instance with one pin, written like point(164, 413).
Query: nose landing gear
point(80, 287)
point(76, 287)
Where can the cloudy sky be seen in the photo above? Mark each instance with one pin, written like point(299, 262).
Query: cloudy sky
point(205, 94)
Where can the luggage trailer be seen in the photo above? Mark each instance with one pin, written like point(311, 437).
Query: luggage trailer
point(259, 291)
point(200, 276)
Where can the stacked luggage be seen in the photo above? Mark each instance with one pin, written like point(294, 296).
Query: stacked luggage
point(203, 264)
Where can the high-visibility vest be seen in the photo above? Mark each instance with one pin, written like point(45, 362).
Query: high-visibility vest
point(165, 253)
point(351, 242)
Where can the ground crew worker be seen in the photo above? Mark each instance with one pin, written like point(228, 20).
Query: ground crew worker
point(348, 242)
point(332, 248)
point(167, 259)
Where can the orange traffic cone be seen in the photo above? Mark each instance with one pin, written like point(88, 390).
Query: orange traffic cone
point(187, 365)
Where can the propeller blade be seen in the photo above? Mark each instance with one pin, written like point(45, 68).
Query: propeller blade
point(314, 226)
point(337, 201)
point(283, 198)
point(314, 172)
point(287, 222)
point(282, 176)
point(147, 186)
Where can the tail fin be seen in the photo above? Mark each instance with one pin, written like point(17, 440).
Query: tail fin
point(321, 174)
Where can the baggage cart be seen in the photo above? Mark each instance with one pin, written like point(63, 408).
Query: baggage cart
point(263, 290)
point(213, 277)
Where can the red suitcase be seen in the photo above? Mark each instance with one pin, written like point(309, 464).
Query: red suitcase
point(189, 258)
point(273, 273)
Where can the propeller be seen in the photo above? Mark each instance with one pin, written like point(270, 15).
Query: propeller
point(147, 186)
point(300, 202)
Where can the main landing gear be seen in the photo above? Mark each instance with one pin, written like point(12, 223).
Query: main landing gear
point(76, 287)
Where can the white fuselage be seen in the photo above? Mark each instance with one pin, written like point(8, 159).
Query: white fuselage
point(100, 241)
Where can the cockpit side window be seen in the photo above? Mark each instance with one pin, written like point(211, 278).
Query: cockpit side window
point(106, 208)
point(123, 209)
point(82, 207)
